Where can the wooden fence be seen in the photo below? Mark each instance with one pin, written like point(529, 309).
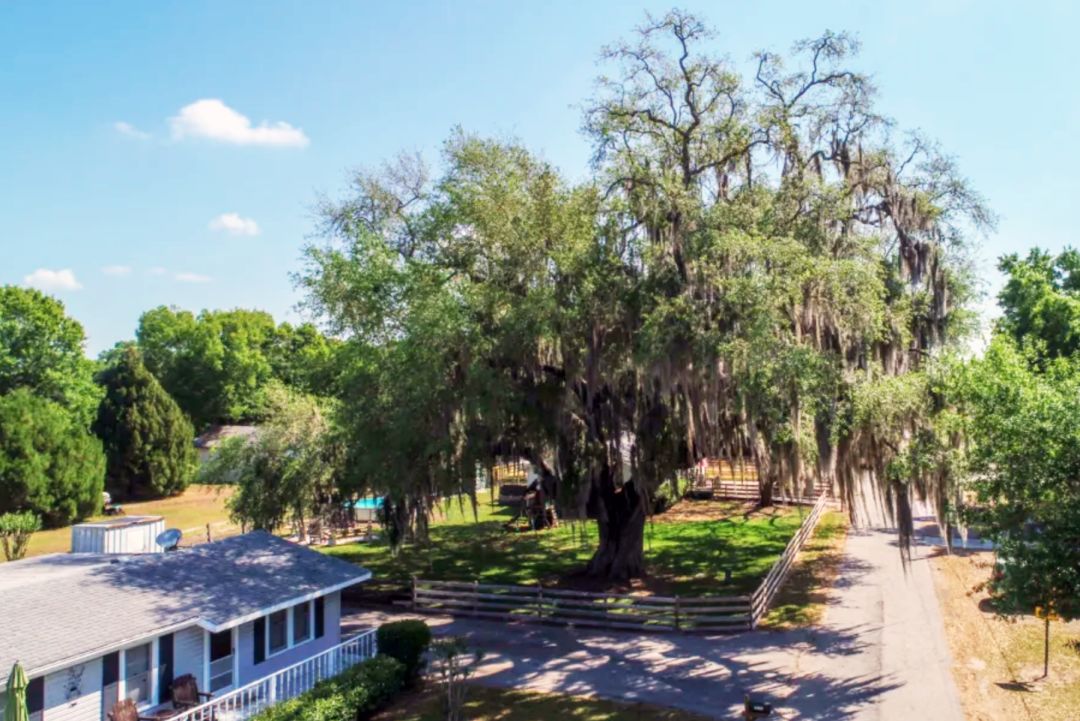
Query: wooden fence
point(774, 579)
point(581, 608)
point(537, 604)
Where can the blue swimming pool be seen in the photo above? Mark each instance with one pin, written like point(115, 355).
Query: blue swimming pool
point(376, 502)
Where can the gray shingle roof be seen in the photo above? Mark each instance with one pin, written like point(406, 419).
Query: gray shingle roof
point(68, 606)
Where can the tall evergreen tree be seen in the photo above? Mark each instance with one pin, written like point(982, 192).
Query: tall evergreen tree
point(148, 439)
point(50, 463)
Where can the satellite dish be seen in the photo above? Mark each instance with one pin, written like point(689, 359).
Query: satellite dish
point(169, 539)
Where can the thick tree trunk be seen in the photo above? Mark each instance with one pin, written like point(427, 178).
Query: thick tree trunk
point(765, 492)
point(620, 515)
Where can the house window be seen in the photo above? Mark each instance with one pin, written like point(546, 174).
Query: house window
point(221, 660)
point(137, 673)
point(277, 631)
point(301, 623)
point(286, 629)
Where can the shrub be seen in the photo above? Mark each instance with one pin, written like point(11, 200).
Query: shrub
point(291, 710)
point(406, 641)
point(375, 683)
point(354, 694)
point(337, 707)
point(15, 532)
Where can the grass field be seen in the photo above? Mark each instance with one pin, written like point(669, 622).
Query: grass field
point(687, 550)
point(802, 599)
point(190, 512)
point(492, 704)
point(997, 662)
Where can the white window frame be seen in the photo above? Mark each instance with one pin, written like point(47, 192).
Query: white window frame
point(205, 683)
point(235, 671)
point(310, 605)
point(152, 670)
point(290, 642)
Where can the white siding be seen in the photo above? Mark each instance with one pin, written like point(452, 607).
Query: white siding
point(333, 617)
point(74, 696)
point(188, 655)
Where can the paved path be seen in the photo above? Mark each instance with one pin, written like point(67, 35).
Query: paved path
point(880, 654)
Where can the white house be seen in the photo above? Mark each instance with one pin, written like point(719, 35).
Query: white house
point(253, 618)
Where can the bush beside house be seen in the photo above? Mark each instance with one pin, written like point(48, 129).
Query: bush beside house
point(357, 693)
point(405, 641)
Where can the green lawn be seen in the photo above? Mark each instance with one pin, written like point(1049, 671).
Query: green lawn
point(687, 550)
point(492, 704)
point(190, 512)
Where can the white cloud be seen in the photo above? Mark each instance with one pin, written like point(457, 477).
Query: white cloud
point(157, 270)
point(233, 224)
point(125, 128)
point(192, 278)
point(212, 119)
point(116, 270)
point(46, 279)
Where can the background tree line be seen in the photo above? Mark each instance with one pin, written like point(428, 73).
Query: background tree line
point(71, 427)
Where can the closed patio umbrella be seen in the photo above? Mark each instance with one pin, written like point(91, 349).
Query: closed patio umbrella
point(15, 708)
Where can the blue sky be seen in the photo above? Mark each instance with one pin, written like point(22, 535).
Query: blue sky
point(346, 84)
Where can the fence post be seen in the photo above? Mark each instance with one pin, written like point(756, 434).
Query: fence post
point(208, 538)
point(414, 592)
point(677, 624)
point(539, 600)
point(476, 596)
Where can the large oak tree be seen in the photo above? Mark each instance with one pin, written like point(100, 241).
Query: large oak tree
point(756, 268)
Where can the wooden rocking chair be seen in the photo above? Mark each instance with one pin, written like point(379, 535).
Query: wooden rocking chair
point(186, 693)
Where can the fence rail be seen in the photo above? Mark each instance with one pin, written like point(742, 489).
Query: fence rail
point(536, 604)
point(774, 579)
point(581, 608)
point(285, 684)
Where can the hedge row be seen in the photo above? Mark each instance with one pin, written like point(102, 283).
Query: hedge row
point(352, 695)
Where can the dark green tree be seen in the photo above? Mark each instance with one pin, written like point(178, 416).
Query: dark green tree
point(1023, 462)
point(149, 442)
point(217, 365)
point(41, 349)
point(1040, 302)
point(50, 464)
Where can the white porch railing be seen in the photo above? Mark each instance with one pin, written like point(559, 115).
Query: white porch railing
point(285, 684)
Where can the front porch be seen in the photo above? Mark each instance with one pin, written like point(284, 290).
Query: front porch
point(287, 683)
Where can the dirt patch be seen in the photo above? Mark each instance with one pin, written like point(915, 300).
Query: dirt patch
point(997, 662)
point(715, 510)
